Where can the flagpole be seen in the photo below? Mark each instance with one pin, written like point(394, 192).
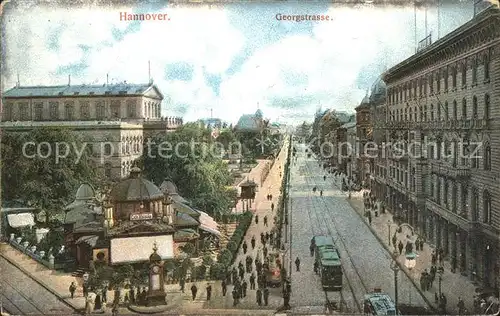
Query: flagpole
point(439, 20)
point(415, 26)
point(426, 20)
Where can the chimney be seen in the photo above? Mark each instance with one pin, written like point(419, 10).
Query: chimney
point(69, 80)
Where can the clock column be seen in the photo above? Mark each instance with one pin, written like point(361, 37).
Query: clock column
point(156, 293)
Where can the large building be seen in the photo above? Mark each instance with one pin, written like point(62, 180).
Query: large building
point(116, 118)
point(442, 107)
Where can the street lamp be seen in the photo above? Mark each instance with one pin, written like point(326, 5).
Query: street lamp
point(440, 272)
point(410, 263)
point(395, 268)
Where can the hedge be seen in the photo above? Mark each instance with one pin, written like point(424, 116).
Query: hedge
point(227, 256)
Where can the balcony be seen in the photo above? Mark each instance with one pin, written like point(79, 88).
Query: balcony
point(476, 124)
point(447, 170)
point(451, 217)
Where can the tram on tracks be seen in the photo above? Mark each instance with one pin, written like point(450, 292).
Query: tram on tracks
point(328, 262)
point(378, 303)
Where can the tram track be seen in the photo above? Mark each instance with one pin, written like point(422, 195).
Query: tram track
point(16, 305)
point(309, 176)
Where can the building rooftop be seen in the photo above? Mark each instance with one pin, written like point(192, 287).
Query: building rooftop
point(80, 90)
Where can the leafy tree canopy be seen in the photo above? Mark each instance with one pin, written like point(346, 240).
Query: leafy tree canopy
point(189, 158)
point(32, 173)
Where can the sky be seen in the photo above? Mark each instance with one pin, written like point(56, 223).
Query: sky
point(230, 59)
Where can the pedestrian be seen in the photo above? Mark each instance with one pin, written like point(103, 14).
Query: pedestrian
point(272, 207)
point(442, 303)
point(252, 282)
point(104, 296)
point(194, 290)
point(370, 217)
point(244, 286)
point(265, 251)
point(311, 249)
point(297, 264)
point(98, 302)
point(114, 311)
point(324, 178)
point(242, 273)
point(265, 220)
point(244, 248)
point(256, 219)
point(394, 240)
point(72, 289)
point(433, 257)
point(182, 283)
point(315, 267)
point(235, 296)
point(400, 247)
point(259, 297)
point(209, 291)
point(253, 242)
point(321, 193)
point(461, 306)
point(85, 289)
point(224, 287)
point(266, 296)
point(286, 300)
point(132, 294)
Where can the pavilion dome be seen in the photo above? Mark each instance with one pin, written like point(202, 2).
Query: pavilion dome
point(135, 188)
point(378, 90)
point(85, 192)
point(259, 114)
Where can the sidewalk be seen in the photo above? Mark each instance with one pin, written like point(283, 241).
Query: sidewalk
point(254, 175)
point(260, 207)
point(453, 285)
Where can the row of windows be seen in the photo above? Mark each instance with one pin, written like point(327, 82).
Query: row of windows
point(451, 201)
point(442, 112)
point(408, 91)
point(151, 109)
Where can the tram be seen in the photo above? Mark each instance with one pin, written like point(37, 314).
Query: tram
point(378, 303)
point(328, 261)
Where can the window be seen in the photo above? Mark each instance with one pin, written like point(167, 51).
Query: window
point(446, 111)
point(487, 157)
point(69, 111)
point(474, 72)
point(115, 109)
point(474, 158)
point(38, 111)
point(486, 207)
point(420, 87)
point(454, 198)
point(464, 74)
point(486, 69)
point(411, 114)
point(406, 114)
point(431, 84)
point(84, 110)
point(474, 107)
point(54, 110)
point(464, 109)
point(438, 83)
point(486, 106)
point(455, 110)
point(465, 195)
point(24, 111)
point(454, 77)
point(432, 112)
point(445, 77)
point(131, 108)
point(100, 110)
point(475, 205)
point(439, 111)
point(7, 114)
point(107, 149)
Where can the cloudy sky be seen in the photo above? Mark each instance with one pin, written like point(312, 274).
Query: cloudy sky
point(232, 59)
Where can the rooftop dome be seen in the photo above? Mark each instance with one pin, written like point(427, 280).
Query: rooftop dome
point(168, 187)
point(155, 257)
point(366, 99)
point(135, 188)
point(259, 114)
point(85, 192)
point(378, 90)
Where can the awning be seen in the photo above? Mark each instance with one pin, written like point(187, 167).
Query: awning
point(208, 224)
point(21, 220)
point(89, 240)
point(185, 234)
point(183, 208)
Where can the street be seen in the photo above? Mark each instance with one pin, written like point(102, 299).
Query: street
point(22, 296)
point(365, 262)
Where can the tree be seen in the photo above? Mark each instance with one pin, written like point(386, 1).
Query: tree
point(31, 171)
point(193, 165)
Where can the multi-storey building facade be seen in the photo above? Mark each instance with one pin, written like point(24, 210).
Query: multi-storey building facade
point(378, 117)
point(115, 118)
point(364, 136)
point(443, 110)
